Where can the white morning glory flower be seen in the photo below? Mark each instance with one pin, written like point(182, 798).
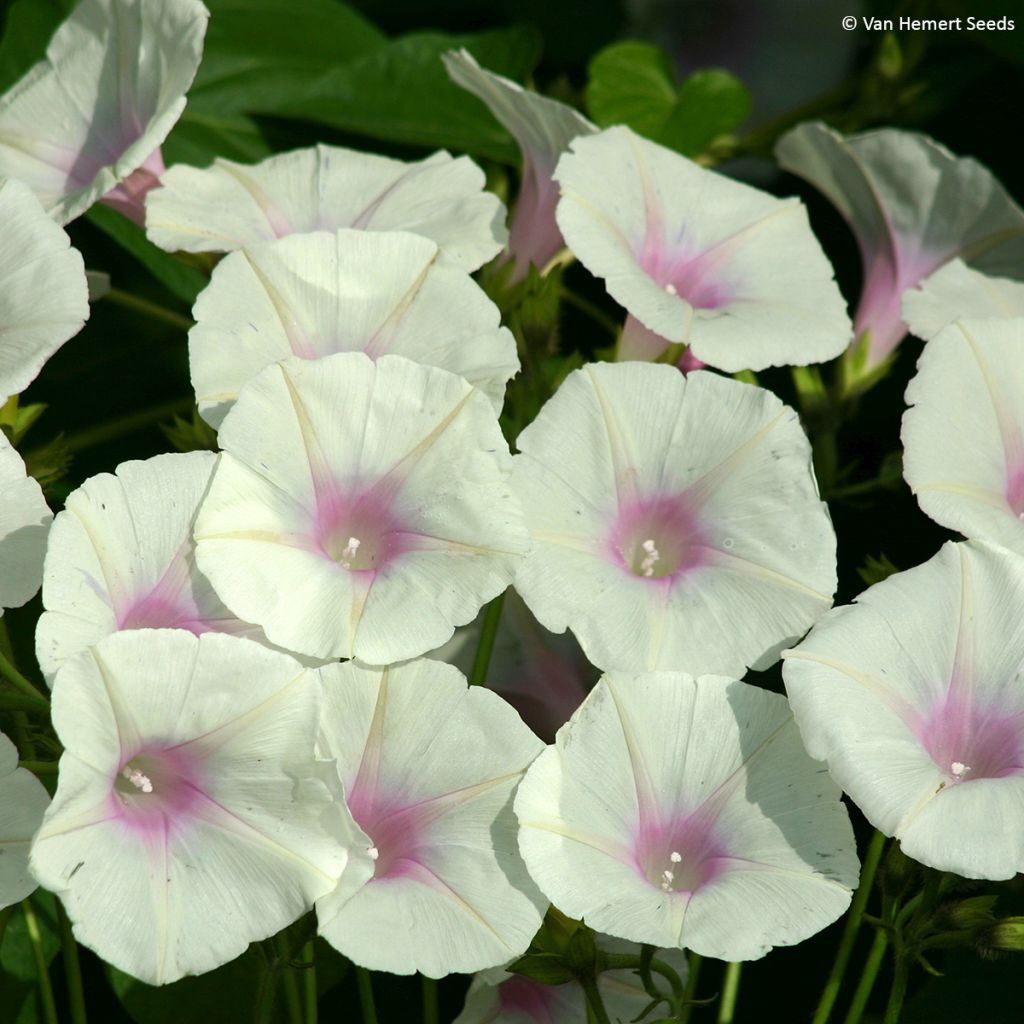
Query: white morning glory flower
point(913, 696)
point(543, 127)
point(694, 256)
point(121, 556)
point(23, 799)
point(429, 767)
point(44, 299)
point(360, 509)
point(89, 117)
point(912, 206)
point(497, 997)
point(24, 522)
point(685, 812)
point(956, 292)
point(675, 519)
point(963, 435)
point(189, 818)
point(355, 291)
point(230, 206)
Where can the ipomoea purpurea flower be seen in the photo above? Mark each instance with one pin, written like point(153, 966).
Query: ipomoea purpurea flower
point(675, 520)
point(429, 766)
point(23, 800)
point(24, 522)
point(44, 299)
point(190, 818)
point(694, 257)
point(912, 206)
point(913, 696)
point(685, 812)
point(963, 435)
point(229, 206)
point(121, 556)
point(316, 294)
point(87, 122)
point(543, 128)
point(360, 509)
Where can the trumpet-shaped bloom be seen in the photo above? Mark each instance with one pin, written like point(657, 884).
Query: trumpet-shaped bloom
point(189, 818)
point(963, 435)
point(913, 696)
point(685, 812)
point(694, 256)
point(23, 799)
point(24, 522)
point(89, 117)
point(543, 128)
point(121, 556)
point(356, 291)
point(497, 997)
point(44, 299)
point(543, 675)
point(361, 509)
point(912, 206)
point(956, 292)
point(429, 767)
point(230, 206)
point(675, 520)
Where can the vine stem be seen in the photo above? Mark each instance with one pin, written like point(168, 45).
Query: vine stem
point(853, 921)
point(309, 981)
point(695, 961)
point(72, 967)
point(626, 962)
point(127, 300)
point(730, 992)
point(365, 985)
point(594, 1000)
point(292, 998)
point(35, 939)
point(867, 979)
point(485, 645)
point(15, 678)
point(431, 1014)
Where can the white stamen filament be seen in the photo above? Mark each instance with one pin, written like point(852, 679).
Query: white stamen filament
point(350, 552)
point(651, 558)
point(959, 769)
point(137, 779)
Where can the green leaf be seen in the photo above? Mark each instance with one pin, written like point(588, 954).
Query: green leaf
point(27, 31)
point(400, 92)
point(182, 281)
point(226, 994)
point(710, 103)
point(16, 957)
point(631, 83)
point(199, 136)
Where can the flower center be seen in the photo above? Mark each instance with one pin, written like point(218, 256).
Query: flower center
point(678, 856)
point(359, 533)
point(155, 787)
point(655, 538)
point(968, 742)
point(395, 832)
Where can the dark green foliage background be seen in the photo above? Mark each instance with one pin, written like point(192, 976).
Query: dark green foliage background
point(284, 73)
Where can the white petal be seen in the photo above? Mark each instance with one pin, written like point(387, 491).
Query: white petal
point(451, 892)
point(229, 206)
point(708, 767)
point(963, 434)
point(755, 547)
point(316, 294)
point(44, 298)
point(956, 292)
point(404, 460)
point(23, 800)
point(693, 255)
point(24, 522)
point(111, 88)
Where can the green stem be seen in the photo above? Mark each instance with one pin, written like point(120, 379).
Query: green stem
point(695, 961)
point(594, 1000)
point(431, 1014)
point(22, 702)
point(852, 927)
point(730, 992)
point(72, 967)
point(628, 962)
point(899, 989)
point(121, 426)
point(867, 979)
point(40, 767)
point(484, 647)
point(309, 981)
point(291, 984)
point(587, 308)
point(35, 938)
point(15, 678)
point(365, 984)
point(155, 312)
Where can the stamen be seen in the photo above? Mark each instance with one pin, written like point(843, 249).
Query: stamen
point(373, 852)
point(651, 558)
point(137, 779)
point(350, 552)
point(675, 857)
point(959, 769)
point(671, 289)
